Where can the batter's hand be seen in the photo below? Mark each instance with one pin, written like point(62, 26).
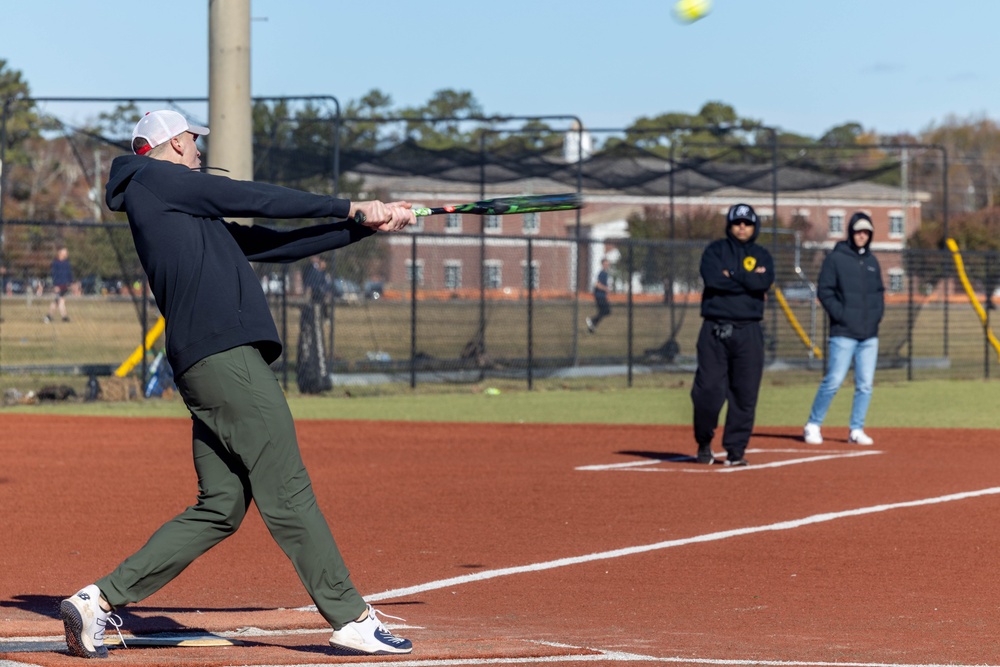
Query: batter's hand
point(384, 217)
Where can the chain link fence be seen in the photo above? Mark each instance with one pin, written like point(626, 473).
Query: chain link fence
point(457, 308)
point(471, 308)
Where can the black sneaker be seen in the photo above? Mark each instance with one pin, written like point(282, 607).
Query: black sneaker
point(705, 455)
point(738, 463)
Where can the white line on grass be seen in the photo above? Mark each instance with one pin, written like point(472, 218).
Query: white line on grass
point(631, 551)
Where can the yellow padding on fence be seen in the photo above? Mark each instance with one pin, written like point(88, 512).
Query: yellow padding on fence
point(795, 323)
point(136, 356)
point(964, 277)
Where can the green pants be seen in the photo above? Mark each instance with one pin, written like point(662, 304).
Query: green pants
point(244, 449)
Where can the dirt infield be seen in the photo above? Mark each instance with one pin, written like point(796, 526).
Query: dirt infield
point(532, 543)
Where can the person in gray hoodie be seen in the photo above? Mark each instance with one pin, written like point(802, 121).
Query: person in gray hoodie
point(220, 340)
point(851, 291)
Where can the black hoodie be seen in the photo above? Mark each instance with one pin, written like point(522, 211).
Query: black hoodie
point(198, 264)
point(738, 297)
point(850, 287)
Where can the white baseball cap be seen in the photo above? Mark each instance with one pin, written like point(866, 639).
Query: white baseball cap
point(159, 127)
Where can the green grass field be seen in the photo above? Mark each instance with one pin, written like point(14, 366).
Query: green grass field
point(106, 331)
point(931, 403)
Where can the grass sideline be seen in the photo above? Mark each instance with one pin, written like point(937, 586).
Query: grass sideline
point(924, 404)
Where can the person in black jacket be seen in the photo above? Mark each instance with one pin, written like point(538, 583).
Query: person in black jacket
point(737, 274)
point(220, 340)
point(852, 293)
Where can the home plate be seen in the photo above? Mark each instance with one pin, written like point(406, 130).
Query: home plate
point(172, 639)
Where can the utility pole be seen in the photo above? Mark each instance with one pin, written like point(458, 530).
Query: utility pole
point(230, 145)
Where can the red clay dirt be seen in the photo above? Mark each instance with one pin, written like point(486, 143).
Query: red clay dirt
point(417, 503)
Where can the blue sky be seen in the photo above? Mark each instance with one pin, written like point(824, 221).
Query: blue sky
point(802, 65)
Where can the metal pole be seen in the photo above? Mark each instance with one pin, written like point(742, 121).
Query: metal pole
point(909, 327)
point(631, 328)
point(669, 289)
point(774, 232)
point(144, 285)
point(480, 341)
point(3, 193)
point(531, 290)
point(413, 312)
point(944, 226)
point(284, 324)
point(986, 324)
point(578, 277)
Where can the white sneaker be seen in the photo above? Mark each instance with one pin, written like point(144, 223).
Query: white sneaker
point(84, 621)
point(811, 434)
point(590, 325)
point(369, 637)
point(859, 437)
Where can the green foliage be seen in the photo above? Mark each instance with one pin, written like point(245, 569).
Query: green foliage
point(23, 122)
point(443, 130)
point(118, 122)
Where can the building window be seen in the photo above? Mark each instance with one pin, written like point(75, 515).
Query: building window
point(452, 274)
point(897, 281)
point(491, 224)
point(897, 226)
point(836, 219)
point(531, 223)
point(420, 271)
point(453, 223)
point(493, 274)
point(530, 278)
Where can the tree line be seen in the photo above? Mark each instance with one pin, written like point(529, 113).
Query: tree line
point(54, 173)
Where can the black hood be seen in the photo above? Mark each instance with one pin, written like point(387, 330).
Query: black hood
point(123, 169)
point(742, 212)
point(856, 219)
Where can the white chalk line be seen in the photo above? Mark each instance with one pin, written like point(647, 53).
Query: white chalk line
point(642, 466)
point(600, 655)
point(631, 551)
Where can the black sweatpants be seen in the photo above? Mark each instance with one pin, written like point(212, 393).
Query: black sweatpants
point(603, 309)
point(245, 450)
point(729, 369)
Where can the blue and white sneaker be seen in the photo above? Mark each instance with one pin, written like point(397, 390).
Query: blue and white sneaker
point(84, 621)
point(369, 637)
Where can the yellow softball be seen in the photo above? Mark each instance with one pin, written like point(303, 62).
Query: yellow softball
point(689, 11)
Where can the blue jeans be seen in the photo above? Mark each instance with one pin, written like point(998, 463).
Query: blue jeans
point(864, 354)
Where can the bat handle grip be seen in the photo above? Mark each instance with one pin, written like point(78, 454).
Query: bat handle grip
point(360, 218)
